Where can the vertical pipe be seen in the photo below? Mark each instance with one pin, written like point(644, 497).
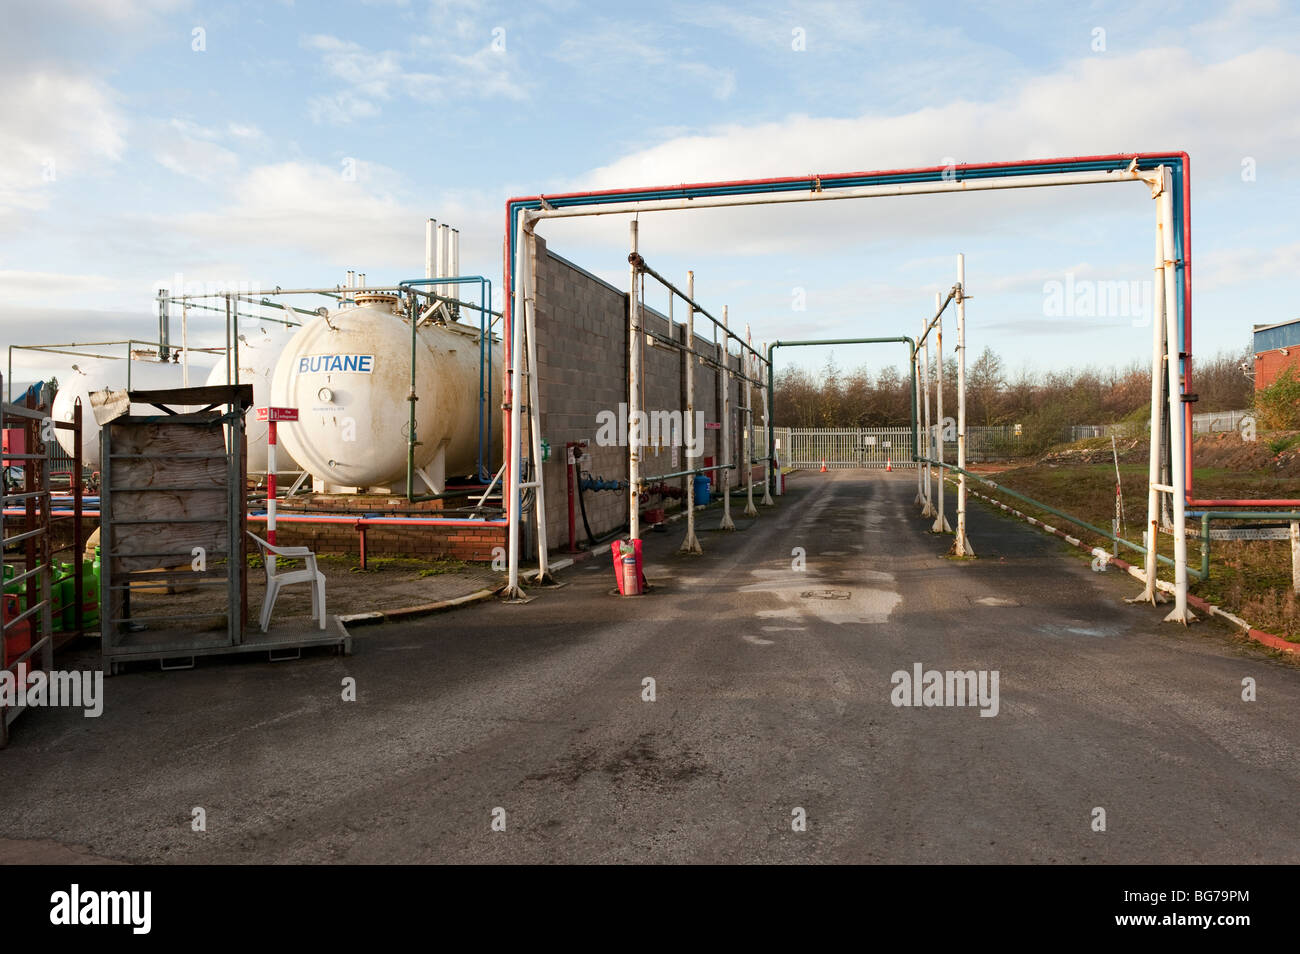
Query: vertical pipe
point(444, 257)
point(430, 226)
point(940, 518)
point(440, 253)
point(164, 325)
point(185, 344)
point(1151, 593)
point(633, 399)
point(571, 468)
point(771, 430)
point(1295, 556)
point(725, 456)
point(270, 479)
point(455, 262)
point(917, 454)
point(961, 546)
point(514, 398)
point(1177, 420)
point(691, 544)
point(927, 509)
point(78, 540)
point(747, 366)
point(535, 413)
point(352, 281)
point(767, 431)
point(229, 376)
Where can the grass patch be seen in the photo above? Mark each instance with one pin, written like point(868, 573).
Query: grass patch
point(1249, 578)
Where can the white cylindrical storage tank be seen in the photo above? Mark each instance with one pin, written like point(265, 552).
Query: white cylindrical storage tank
point(97, 374)
point(349, 375)
point(259, 351)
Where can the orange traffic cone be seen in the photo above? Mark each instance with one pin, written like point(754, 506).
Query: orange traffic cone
point(889, 464)
point(823, 465)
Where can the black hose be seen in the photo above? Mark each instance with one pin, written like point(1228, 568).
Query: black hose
point(592, 540)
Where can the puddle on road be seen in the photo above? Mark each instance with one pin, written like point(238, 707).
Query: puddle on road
point(801, 597)
point(1095, 632)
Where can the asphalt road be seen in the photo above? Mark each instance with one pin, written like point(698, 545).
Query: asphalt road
point(772, 694)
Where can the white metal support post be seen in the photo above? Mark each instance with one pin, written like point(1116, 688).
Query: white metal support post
point(960, 545)
point(916, 448)
point(747, 365)
point(535, 410)
point(767, 437)
point(513, 454)
point(1151, 536)
point(633, 398)
point(1173, 362)
point(725, 356)
point(941, 524)
point(927, 506)
point(691, 544)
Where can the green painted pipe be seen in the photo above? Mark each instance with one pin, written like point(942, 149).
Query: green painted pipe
point(1105, 534)
point(771, 390)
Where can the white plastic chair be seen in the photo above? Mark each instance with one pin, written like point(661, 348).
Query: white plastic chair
point(275, 579)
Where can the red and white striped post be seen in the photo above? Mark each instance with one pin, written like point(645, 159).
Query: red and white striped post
point(272, 416)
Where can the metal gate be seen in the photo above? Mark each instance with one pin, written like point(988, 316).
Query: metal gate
point(846, 447)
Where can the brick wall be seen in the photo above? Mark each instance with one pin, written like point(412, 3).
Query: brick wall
point(461, 543)
point(1269, 364)
point(582, 357)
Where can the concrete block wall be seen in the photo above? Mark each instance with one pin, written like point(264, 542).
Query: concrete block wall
point(582, 356)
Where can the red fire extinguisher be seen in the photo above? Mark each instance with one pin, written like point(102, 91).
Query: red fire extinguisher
point(627, 567)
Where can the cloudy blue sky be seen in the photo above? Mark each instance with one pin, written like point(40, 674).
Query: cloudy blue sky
point(164, 141)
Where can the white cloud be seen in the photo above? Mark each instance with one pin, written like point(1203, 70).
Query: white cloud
point(339, 109)
point(1224, 268)
point(373, 77)
point(1222, 111)
point(58, 125)
point(315, 208)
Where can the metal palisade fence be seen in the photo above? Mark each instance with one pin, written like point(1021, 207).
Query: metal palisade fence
point(845, 447)
point(1210, 422)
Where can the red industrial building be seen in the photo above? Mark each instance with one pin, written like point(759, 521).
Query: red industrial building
point(1276, 347)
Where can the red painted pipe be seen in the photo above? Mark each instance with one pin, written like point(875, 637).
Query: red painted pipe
point(1243, 503)
point(311, 518)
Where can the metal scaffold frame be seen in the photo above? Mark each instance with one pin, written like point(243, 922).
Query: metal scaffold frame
point(750, 365)
point(37, 549)
point(1166, 174)
point(770, 393)
point(932, 456)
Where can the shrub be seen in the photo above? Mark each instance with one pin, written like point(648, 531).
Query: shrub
point(1277, 407)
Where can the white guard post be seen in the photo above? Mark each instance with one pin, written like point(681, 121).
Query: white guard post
point(941, 524)
point(960, 545)
point(1173, 365)
point(927, 507)
point(727, 523)
point(691, 544)
point(767, 443)
point(633, 402)
point(1151, 535)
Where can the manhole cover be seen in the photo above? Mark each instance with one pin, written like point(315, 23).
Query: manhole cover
point(825, 594)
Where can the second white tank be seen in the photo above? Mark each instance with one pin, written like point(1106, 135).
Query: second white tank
point(348, 374)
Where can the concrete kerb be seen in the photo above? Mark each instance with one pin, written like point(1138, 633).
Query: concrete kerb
point(1138, 573)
